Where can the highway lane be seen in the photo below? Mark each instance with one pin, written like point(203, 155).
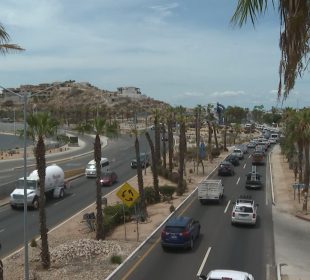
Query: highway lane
point(221, 245)
point(80, 195)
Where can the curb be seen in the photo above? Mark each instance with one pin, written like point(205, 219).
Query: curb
point(299, 216)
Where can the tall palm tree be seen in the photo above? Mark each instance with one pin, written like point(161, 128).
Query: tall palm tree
point(199, 111)
point(157, 136)
point(5, 47)
point(42, 125)
point(101, 127)
point(294, 37)
point(182, 148)
point(163, 128)
point(210, 119)
point(154, 167)
point(170, 121)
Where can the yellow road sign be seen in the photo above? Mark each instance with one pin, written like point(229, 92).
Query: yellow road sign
point(127, 194)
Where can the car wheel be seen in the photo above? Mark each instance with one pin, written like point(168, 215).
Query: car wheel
point(164, 247)
point(35, 203)
point(13, 206)
point(191, 245)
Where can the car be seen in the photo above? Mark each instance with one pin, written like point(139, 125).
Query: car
point(253, 179)
point(258, 157)
point(233, 159)
point(108, 178)
point(226, 168)
point(238, 152)
point(244, 211)
point(243, 148)
point(219, 274)
point(180, 232)
point(251, 144)
point(144, 160)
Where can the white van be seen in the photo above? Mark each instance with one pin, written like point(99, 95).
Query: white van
point(274, 137)
point(90, 170)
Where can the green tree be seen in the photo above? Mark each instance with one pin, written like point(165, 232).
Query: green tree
point(258, 113)
point(294, 36)
point(101, 127)
point(41, 125)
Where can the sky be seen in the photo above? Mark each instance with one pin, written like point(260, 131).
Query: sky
point(182, 52)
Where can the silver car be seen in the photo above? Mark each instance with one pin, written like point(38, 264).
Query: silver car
point(244, 212)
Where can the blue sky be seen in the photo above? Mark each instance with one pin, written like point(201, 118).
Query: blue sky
point(182, 52)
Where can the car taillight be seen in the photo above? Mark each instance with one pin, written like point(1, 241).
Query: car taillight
point(163, 233)
point(233, 214)
point(254, 215)
point(185, 233)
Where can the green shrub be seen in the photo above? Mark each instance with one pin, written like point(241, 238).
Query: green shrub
point(167, 191)
point(116, 259)
point(172, 208)
point(33, 243)
point(150, 195)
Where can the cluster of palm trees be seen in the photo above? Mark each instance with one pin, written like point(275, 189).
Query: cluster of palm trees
point(296, 143)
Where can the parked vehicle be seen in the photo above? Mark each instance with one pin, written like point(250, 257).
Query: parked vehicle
point(234, 159)
point(253, 179)
point(226, 168)
point(90, 170)
point(108, 178)
point(180, 232)
point(144, 160)
point(210, 190)
point(227, 274)
point(54, 185)
point(238, 152)
point(258, 158)
point(244, 212)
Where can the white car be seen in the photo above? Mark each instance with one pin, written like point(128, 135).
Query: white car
point(244, 212)
point(238, 153)
point(219, 274)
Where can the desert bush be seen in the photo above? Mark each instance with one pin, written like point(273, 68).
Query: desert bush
point(172, 208)
point(167, 191)
point(33, 243)
point(150, 195)
point(116, 259)
point(215, 152)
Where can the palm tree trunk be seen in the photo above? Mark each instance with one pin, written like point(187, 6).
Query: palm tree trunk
point(225, 138)
point(164, 148)
point(140, 181)
point(170, 145)
point(215, 136)
point(182, 151)
point(197, 138)
point(41, 166)
point(300, 157)
point(306, 176)
point(100, 234)
point(153, 166)
point(157, 139)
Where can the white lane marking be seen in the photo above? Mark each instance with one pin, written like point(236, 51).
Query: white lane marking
point(227, 206)
point(2, 230)
point(249, 156)
point(204, 261)
point(244, 165)
point(238, 181)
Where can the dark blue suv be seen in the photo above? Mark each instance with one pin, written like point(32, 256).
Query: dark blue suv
point(180, 232)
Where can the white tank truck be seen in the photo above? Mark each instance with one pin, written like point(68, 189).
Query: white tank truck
point(54, 185)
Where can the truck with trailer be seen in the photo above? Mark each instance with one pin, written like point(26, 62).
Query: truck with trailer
point(54, 186)
point(210, 190)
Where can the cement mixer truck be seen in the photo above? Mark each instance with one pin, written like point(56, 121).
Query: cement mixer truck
point(54, 187)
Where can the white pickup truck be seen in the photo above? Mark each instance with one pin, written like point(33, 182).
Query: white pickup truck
point(210, 190)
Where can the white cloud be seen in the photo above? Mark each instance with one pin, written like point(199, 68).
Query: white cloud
point(228, 93)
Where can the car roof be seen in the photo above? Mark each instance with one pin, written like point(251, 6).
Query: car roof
point(229, 274)
point(178, 221)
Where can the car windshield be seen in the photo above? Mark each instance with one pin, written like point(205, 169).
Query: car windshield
point(31, 184)
point(90, 166)
point(244, 209)
point(174, 229)
point(106, 175)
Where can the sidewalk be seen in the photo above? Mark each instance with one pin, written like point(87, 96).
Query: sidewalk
point(291, 226)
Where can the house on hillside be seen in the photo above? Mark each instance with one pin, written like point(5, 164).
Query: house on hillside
point(131, 92)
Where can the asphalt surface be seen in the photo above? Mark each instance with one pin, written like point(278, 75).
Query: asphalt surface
point(221, 245)
point(82, 192)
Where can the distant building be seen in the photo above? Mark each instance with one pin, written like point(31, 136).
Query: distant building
point(131, 92)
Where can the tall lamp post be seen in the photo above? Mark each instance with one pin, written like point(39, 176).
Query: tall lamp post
point(24, 96)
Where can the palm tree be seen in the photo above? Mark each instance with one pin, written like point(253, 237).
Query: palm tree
point(170, 121)
point(157, 137)
point(198, 110)
point(101, 127)
point(163, 128)
point(294, 37)
point(5, 47)
point(182, 148)
point(42, 125)
point(154, 167)
point(210, 118)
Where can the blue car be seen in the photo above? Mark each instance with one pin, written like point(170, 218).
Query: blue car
point(180, 232)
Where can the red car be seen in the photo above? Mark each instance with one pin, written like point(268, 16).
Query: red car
point(108, 178)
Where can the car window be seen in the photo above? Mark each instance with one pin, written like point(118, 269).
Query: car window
point(174, 229)
point(244, 209)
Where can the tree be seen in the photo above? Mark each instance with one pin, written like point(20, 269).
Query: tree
point(157, 137)
point(101, 127)
point(154, 167)
point(42, 125)
point(170, 121)
point(294, 37)
point(5, 47)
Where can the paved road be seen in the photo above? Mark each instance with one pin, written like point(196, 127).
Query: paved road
point(81, 194)
point(231, 247)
